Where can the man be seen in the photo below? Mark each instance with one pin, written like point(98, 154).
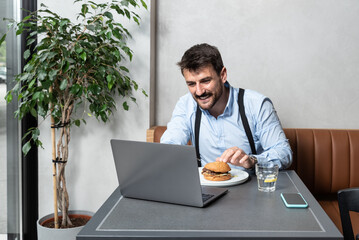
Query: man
point(222, 135)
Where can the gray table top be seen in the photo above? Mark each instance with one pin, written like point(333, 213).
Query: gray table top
point(243, 212)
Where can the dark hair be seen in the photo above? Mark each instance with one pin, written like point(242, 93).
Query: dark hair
point(201, 55)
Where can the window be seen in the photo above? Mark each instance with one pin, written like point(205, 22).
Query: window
point(9, 134)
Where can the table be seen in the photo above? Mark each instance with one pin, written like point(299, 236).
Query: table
point(242, 213)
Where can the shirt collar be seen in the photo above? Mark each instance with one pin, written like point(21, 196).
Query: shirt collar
point(229, 107)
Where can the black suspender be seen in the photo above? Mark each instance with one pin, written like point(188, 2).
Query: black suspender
point(197, 125)
point(244, 121)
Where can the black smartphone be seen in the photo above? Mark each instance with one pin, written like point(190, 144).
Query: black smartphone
point(294, 200)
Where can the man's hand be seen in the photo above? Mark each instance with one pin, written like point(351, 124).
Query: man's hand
point(237, 157)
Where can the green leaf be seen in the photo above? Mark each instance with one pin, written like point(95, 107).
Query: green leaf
point(118, 10)
point(30, 41)
point(108, 35)
point(26, 18)
point(110, 84)
point(133, 3)
point(36, 96)
point(53, 73)
point(124, 69)
point(108, 15)
point(41, 111)
point(136, 20)
point(42, 75)
point(2, 39)
point(135, 85)
point(124, 2)
point(66, 66)
point(35, 134)
point(76, 89)
point(91, 27)
point(24, 77)
point(128, 14)
point(116, 33)
point(19, 31)
point(8, 97)
point(144, 4)
point(27, 54)
point(84, 9)
point(125, 106)
point(77, 122)
point(31, 84)
point(144, 93)
point(26, 147)
point(109, 78)
point(64, 22)
point(83, 56)
point(63, 84)
point(79, 49)
point(33, 112)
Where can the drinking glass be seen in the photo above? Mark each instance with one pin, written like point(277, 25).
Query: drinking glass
point(267, 174)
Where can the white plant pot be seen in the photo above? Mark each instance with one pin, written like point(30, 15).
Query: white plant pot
point(44, 233)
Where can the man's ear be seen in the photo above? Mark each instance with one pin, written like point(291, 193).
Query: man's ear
point(224, 74)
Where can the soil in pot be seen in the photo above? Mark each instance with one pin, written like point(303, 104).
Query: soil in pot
point(76, 219)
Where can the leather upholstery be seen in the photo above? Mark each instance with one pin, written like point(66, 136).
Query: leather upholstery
point(326, 160)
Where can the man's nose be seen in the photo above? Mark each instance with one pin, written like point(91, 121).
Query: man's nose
point(199, 89)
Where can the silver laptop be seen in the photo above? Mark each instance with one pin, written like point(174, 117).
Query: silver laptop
point(161, 172)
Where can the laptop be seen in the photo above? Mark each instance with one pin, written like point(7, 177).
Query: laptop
point(161, 172)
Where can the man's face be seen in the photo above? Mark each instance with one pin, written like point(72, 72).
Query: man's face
point(205, 85)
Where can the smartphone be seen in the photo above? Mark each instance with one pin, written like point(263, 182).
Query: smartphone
point(294, 200)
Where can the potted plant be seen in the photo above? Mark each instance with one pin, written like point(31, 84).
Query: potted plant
point(76, 70)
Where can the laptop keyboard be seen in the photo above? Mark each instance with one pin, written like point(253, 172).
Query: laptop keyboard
point(205, 196)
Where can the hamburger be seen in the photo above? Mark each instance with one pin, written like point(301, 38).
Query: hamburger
point(216, 171)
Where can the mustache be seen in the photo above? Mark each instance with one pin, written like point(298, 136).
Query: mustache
point(203, 95)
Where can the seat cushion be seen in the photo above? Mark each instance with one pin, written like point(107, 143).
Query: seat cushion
point(331, 207)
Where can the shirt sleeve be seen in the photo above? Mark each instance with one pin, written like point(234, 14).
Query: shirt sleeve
point(179, 128)
point(272, 138)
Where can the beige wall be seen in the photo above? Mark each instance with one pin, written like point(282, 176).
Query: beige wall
point(303, 54)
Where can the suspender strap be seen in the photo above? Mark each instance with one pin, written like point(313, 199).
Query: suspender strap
point(245, 121)
point(197, 125)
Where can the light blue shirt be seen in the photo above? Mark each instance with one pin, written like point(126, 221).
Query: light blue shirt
point(217, 135)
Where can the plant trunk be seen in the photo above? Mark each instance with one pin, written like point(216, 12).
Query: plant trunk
point(63, 153)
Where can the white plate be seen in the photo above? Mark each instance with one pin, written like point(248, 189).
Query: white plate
point(238, 177)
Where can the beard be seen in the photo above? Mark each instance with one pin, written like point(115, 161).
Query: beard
point(212, 98)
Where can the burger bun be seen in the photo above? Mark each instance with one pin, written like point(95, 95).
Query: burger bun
point(223, 177)
point(219, 167)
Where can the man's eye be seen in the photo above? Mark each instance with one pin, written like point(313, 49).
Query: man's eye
point(190, 84)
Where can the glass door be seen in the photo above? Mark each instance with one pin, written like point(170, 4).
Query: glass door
point(3, 170)
point(9, 128)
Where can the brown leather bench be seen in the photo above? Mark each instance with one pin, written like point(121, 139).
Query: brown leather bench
point(326, 160)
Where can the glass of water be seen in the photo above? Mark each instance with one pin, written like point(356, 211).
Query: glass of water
point(267, 174)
